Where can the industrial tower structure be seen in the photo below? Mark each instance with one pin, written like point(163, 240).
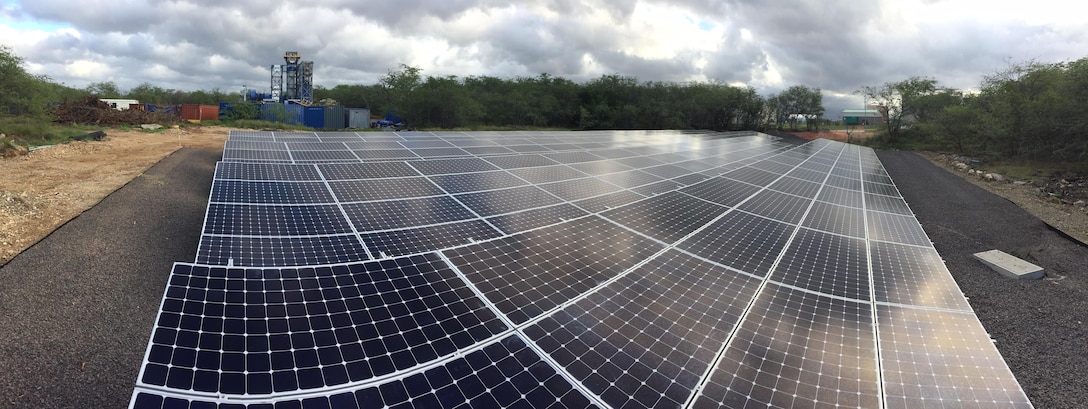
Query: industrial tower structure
point(294, 80)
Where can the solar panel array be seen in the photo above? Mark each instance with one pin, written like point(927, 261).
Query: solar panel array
point(562, 269)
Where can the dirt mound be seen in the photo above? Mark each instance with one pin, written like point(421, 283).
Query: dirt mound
point(11, 150)
point(93, 111)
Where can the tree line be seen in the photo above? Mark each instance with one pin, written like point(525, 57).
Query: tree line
point(1029, 110)
point(611, 101)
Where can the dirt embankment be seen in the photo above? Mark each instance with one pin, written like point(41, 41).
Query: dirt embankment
point(44, 189)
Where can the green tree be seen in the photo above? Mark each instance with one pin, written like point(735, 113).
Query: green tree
point(443, 102)
point(397, 87)
point(148, 94)
point(21, 93)
point(899, 102)
point(104, 89)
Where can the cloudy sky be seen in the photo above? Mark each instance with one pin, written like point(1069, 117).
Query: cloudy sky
point(836, 45)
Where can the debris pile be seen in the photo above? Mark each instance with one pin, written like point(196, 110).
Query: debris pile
point(1067, 189)
point(92, 111)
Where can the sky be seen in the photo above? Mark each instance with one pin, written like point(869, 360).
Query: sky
point(838, 46)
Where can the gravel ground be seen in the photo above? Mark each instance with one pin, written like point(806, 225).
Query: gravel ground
point(78, 306)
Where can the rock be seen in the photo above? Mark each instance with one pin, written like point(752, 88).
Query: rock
point(989, 176)
point(997, 178)
point(12, 151)
point(961, 166)
point(1020, 183)
point(1080, 203)
point(151, 127)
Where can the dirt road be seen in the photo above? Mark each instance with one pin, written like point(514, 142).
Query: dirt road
point(45, 189)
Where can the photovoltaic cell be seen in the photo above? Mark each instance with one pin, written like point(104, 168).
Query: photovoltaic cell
point(667, 217)
point(887, 204)
point(530, 219)
point(529, 273)
point(608, 201)
point(475, 182)
point(385, 154)
point(258, 331)
point(646, 339)
point(753, 176)
point(396, 214)
point(825, 263)
point(548, 174)
point(720, 190)
point(848, 183)
point(667, 171)
point(376, 170)
point(439, 152)
point(630, 178)
point(572, 157)
point(796, 187)
point(422, 239)
point(798, 349)
point(942, 359)
point(383, 189)
point(836, 219)
point(657, 188)
point(578, 189)
point(323, 156)
point(779, 206)
point(265, 220)
point(896, 228)
point(912, 275)
point(265, 171)
point(459, 165)
point(599, 168)
point(742, 241)
point(259, 192)
point(258, 156)
point(841, 197)
point(487, 150)
point(279, 251)
point(520, 161)
point(881, 189)
point(494, 202)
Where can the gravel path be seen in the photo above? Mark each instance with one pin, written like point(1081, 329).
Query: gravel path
point(1038, 325)
point(77, 307)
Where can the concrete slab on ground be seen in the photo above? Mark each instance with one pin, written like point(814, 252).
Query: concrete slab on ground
point(1009, 265)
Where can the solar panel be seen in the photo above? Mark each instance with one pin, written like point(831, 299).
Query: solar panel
point(562, 269)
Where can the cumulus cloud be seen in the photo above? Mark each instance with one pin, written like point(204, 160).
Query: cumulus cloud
point(836, 45)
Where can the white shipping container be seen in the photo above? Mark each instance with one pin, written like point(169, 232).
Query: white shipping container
point(120, 104)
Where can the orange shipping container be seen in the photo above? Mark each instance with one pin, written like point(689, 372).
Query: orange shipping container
point(197, 113)
point(209, 112)
point(190, 112)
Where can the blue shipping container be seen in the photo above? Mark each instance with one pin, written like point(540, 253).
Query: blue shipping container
point(314, 117)
point(289, 114)
point(295, 114)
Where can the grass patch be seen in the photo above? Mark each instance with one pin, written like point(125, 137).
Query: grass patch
point(1033, 170)
point(29, 131)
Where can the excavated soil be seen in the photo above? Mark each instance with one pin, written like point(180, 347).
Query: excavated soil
point(46, 188)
